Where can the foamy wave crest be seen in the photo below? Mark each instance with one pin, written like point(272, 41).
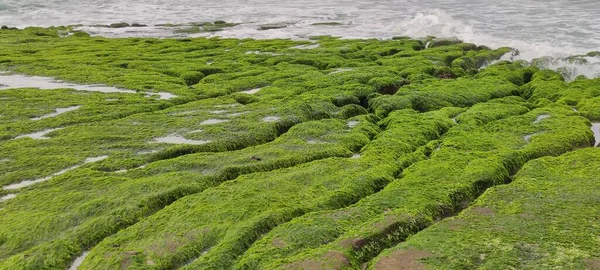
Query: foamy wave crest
point(440, 24)
point(570, 62)
point(436, 23)
point(571, 67)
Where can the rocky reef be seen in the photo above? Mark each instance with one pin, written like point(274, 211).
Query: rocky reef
point(327, 153)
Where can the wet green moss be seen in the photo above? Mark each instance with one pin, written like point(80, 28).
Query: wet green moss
point(350, 180)
point(20, 105)
point(223, 125)
point(543, 219)
point(469, 158)
point(294, 154)
point(123, 198)
point(462, 92)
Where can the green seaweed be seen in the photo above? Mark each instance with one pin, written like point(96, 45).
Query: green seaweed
point(283, 195)
point(478, 153)
point(543, 219)
point(291, 157)
point(124, 198)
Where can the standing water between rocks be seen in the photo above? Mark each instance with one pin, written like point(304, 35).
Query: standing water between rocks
point(27, 183)
point(540, 118)
point(21, 81)
point(41, 135)
point(57, 112)
point(7, 197)
point(177, 139)
point(78, 261)
point(596, 130)
point(251, 91)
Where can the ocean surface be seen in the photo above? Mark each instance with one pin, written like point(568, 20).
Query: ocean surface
point(556, 28)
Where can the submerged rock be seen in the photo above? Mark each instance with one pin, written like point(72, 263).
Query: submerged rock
point(272, 26)
point(593, 53)
point(119, 25)
point(327, 24)
point(437, 42)
point(4, 27)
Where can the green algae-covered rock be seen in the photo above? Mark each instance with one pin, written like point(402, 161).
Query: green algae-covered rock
point(192, 77)
point(543, 219)
point(214, 153)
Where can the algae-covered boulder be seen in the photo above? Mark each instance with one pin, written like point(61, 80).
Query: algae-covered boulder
point(594, 54)
point(80, 34)
point(192, 77)
point(438, 42)
point(388, 85)
point(448, 73)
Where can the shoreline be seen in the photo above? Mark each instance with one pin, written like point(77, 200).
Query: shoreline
point(570, 65)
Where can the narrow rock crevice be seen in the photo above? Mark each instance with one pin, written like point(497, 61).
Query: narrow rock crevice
point(397, 232)
point(460, 200)
point(344, 200)
point(157, 202)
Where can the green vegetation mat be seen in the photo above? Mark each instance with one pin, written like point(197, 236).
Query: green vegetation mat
point(199, 153)
point(547, 218)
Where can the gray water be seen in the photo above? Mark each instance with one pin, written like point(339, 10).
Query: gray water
point(7, 197)
point(40, 135)
point(596, 130)
point(27, 183)
point(11, 81)
point(540, 118)
point(556, 28)
point(56, 112)
point(271, 119)
point(251, 91)
point(213, 121)
point(178, 139)
point(78, 261)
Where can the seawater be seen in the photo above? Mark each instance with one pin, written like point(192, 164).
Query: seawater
point(556, 28)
